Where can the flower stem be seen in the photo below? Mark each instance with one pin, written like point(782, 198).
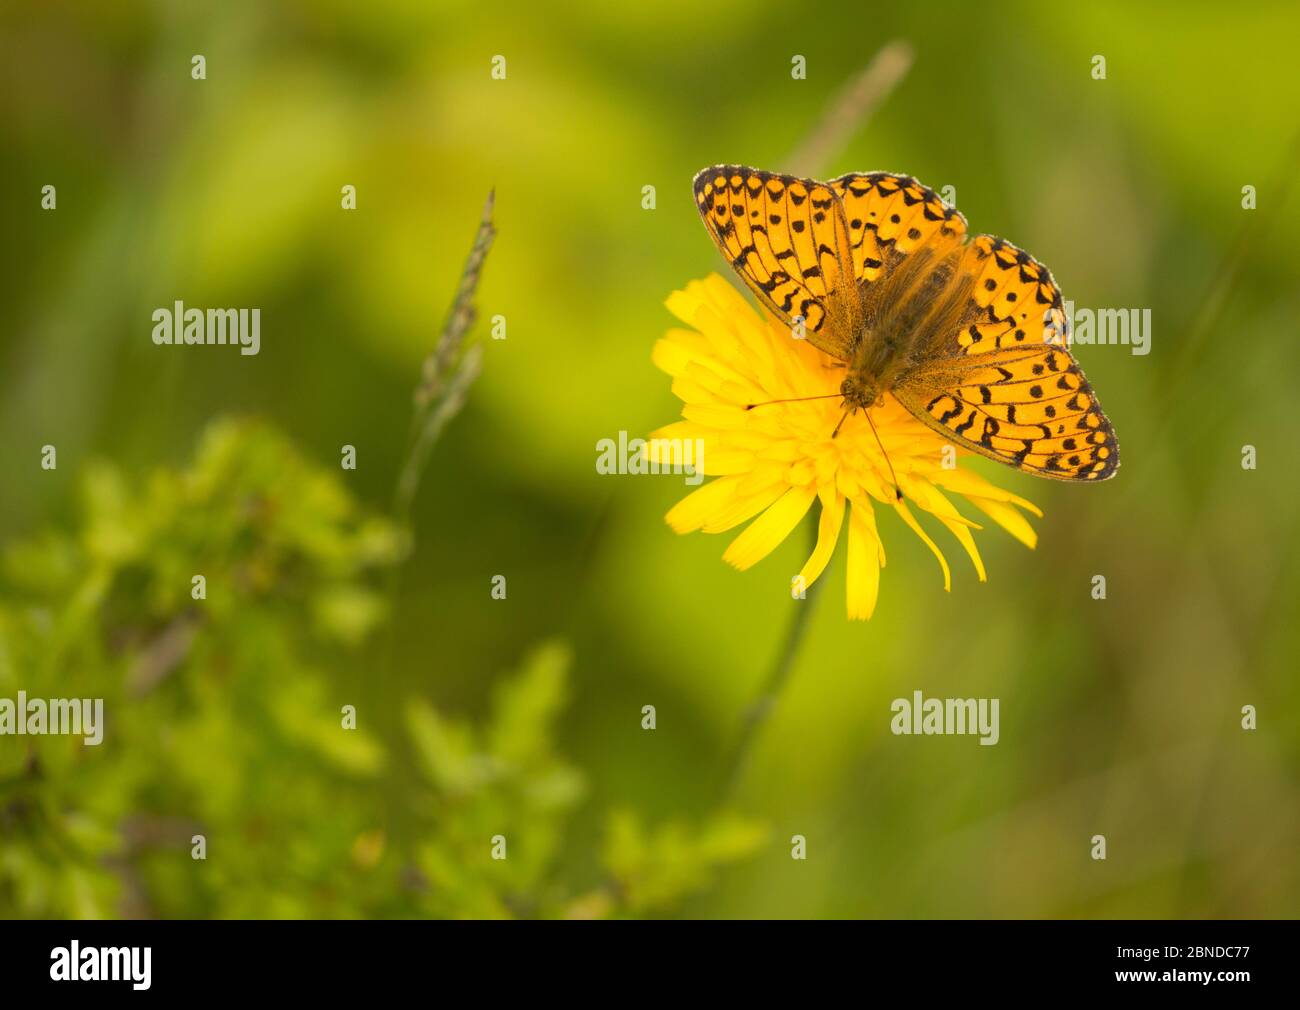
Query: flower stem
point(760, 709)
point(851, 109)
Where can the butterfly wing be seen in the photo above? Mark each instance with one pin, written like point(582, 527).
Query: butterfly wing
point(891, 216)
point(1002, 382)
point(788, 238)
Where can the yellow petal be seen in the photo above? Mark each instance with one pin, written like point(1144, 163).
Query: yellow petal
point(719, 292)
point(967, 541)
point(863, 585)
point(686, 455)
point(750, 438)
point(720, 462)
point(902, 509)
point(933, 501)
point(670, 356)
point(690, 390)
point(828, 534)
point(971, 484)
point(743, 507)
point(679, 349)
point(762, 475)
point(684, 304)
point(783, 451)
point(684, 431)
point(1008, 518)
point(724, 416)
point(701, 505)
point(764, 533)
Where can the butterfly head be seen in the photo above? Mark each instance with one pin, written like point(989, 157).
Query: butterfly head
point(860, 392)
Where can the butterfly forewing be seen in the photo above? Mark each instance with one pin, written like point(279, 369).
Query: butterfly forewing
point(889, 217)
point(788, 239)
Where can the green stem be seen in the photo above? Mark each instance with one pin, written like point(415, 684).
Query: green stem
point(760, 709)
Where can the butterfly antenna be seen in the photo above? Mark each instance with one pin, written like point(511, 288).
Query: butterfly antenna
point(897, 490)
point(792, 399)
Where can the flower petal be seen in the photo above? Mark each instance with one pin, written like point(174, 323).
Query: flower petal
point(723, 416)
point(863, 584)
point(670, 356)
point(702, 505)
point(743, 507)
point(684, 431)
point(764, 533)
point(902, 509)
point(828, 535)
point(933, 501)
point(1008, 518)
point(971, 484)
point(691, 390)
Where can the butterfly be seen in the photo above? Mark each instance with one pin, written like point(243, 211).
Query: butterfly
point(968, 333)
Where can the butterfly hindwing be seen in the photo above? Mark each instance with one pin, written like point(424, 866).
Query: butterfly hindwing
point(1005, 384)
point(788, 238)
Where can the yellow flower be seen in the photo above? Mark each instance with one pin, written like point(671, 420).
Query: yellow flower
point(772, 461)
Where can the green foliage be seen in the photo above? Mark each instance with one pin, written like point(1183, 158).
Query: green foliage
point(506, 781)
point(656, 869)
point(221, 719)
point(225, 718)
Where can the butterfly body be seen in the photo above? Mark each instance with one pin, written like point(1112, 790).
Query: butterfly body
point(899, 321)
point(877, 272)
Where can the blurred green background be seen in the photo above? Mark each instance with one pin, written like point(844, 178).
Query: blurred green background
point(522, 717)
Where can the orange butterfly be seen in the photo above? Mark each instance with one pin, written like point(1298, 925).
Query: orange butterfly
point(969, 334)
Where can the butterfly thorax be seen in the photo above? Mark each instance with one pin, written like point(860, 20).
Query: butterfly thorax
point(897, 321)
